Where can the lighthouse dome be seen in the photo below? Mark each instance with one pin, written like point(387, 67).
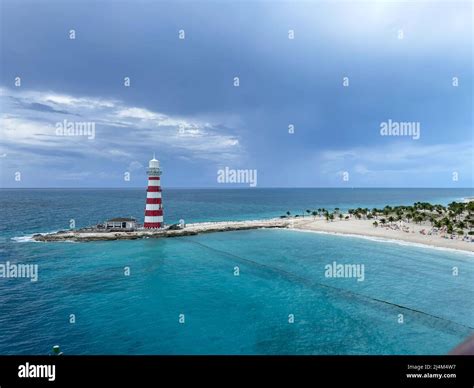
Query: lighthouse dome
point(154, 163)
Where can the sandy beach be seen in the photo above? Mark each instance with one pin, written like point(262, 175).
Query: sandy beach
point(366, 228)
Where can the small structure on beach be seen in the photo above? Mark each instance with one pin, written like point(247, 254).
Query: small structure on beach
point(121, 223)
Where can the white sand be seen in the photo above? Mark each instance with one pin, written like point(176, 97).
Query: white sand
point(366, 228)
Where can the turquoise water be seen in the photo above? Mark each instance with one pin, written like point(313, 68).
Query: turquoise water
point(281, 272)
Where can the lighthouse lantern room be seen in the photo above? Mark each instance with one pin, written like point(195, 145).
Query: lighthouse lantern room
point(154, 208)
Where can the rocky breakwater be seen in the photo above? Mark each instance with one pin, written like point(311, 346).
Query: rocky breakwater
point(83, 235)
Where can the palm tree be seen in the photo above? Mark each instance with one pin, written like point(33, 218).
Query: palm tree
point(341, 216)
point(471, 223)
point(331, 216)
point(391, 219)
point(375, 223)
point(383, 221)
point(288, 213)
point(314, 213)
point(308, 211)
point(446, 221)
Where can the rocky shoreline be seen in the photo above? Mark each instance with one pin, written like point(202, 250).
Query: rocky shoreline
point(84, 235)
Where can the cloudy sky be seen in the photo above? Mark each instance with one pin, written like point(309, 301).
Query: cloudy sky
point(400, 59)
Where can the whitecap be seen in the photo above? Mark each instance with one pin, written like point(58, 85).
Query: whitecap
point(28, 238)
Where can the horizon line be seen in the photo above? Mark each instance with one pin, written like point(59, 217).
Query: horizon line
point(225, 188)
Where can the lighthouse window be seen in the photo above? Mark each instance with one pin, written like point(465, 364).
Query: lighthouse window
point(124, 224)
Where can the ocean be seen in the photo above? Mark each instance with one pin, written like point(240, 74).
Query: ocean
point(244, 292)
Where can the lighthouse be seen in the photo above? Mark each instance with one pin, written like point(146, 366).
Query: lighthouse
point(154, 208)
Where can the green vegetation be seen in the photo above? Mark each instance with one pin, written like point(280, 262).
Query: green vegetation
point(457, 217)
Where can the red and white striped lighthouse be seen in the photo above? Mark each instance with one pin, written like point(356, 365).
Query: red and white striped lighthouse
point(154, 208)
